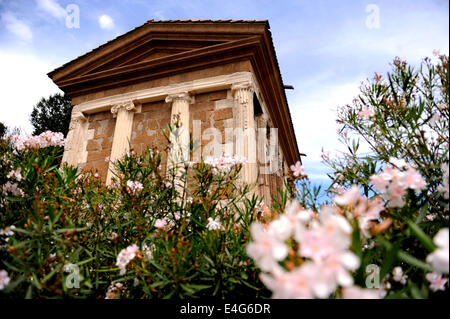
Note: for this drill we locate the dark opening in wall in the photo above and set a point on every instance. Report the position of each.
(256, 106)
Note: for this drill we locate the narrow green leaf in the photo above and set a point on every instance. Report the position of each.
(421, 236)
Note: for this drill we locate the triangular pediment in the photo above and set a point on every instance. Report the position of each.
(143, 52)
(155, 41)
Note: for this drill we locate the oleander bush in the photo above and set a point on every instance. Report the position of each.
(199, 232)
(148, 235)
(383, 231)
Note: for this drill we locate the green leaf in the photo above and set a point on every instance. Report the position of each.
(413, 261)
(421, 236)
(389, 259)
(29, 293)
(422, 214)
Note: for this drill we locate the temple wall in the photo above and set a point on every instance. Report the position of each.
(209, 113)
(99, 147)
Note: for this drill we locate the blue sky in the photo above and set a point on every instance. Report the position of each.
(324, 48)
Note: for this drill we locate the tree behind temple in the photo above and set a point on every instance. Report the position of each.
(52, 113)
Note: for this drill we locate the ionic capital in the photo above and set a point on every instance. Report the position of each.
(126, 105)
(242, 91)
(182, 96)
(76, 119)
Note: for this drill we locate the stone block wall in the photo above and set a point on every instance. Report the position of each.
(99, 145)
(148, 128)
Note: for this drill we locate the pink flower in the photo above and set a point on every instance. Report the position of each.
(214, 224)
(290, 222)
(45, 139)
(265, 248)
(316, 244)
(393, 182)
(434, 119)
(298, 169)
(439, 258)
(412, 179)
(4, 279)
(160, 223)
(397, 275)
(360, 293)
(125, 256)
(297, 284)
(8, 231)
(13, 189)
(325, 154)
(15, 174)
(366, 113)
(437, 282)
(349, 198)
(399, 163)
(335, 269)
(133, 187)
(445, 186)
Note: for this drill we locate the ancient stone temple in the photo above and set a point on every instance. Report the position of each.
(220, 77)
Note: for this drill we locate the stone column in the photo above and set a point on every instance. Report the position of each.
(75, 139)
(263, 157)
(124, 113)
(245, 128)
(180, 139)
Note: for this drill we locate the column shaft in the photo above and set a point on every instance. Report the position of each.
(124, 113)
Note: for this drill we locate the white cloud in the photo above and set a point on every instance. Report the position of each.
(106, 22)
(17, 27)
(52, 7)
(24, 82)
(314, 117)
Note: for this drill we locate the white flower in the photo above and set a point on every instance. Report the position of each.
(439, 258)
(4, 279)
(436, 281)
(214, 224)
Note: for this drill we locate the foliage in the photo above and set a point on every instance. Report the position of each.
(189, 243)
(52, 114)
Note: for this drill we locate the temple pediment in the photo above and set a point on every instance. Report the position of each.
(157, 49)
